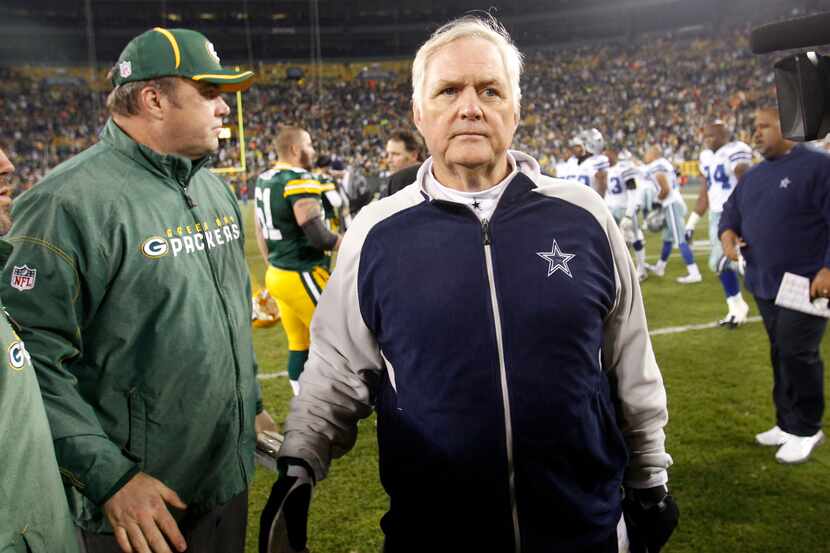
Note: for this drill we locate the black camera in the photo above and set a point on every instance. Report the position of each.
(802, 80)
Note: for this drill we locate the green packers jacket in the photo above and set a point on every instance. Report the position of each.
(128, 278)
(33, 511)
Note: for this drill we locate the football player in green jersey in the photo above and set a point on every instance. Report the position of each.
(294, 240)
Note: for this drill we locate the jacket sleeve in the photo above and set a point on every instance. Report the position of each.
(344, 363)
(70, 280)
(629, 359)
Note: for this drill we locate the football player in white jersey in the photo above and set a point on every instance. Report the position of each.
(569, 169)
(662, 173)
(624, 198)
(722, 164)
(594, 168)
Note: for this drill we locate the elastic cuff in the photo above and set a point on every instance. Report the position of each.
(120, 484)
(656, 479)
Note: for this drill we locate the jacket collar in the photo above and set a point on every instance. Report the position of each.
(5, 252)
(175, 167)
(524, 180)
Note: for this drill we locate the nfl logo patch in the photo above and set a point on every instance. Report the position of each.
(23, 278)
(125, 69)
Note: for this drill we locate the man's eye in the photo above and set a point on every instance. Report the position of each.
(491, 92)
(449, 91)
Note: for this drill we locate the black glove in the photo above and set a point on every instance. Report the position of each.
(283, 524)
(651, 516)
(689, 235)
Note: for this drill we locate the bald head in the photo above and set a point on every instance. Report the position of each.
(715, 135)
(294, 147)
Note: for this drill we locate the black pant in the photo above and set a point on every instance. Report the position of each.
(221, 530)
(798, 371)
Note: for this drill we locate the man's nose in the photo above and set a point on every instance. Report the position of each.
(222, 109)
(470, 104)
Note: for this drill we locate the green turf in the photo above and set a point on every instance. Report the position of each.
(732, 494)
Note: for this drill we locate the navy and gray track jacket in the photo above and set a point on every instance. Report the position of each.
(509, 363)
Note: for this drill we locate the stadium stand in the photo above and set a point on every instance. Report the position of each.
(659, 88)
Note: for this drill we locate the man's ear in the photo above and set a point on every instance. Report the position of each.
(150, 100)
(416, 117)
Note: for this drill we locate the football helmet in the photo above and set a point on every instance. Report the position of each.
(655, 220)
(593, 140)
(265, 312)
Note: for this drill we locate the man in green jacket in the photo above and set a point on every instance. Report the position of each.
(129, 280)
(33, 512)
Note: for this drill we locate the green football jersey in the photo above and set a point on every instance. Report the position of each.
(275, 193)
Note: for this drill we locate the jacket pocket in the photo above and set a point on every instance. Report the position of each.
(136, 446)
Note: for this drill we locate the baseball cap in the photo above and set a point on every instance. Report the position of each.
(184, 53)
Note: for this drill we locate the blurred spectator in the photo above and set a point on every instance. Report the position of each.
(656, 88)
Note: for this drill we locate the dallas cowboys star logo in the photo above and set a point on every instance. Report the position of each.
(476, 205)
(784, 182)
(557, 260)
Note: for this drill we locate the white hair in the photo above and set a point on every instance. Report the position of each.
(485, 27)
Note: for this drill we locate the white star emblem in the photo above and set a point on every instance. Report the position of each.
(785, 182)
(557, 260)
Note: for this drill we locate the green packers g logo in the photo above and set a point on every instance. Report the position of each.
(155, 247)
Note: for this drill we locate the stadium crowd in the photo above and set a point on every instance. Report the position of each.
(647, 90)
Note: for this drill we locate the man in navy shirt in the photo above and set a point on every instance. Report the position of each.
(780, 215)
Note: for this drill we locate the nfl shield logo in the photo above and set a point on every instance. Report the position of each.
(125, 68)
(23, 278)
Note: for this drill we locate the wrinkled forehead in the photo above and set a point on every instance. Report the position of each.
(465, 60)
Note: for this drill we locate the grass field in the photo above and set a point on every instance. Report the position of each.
(733, 496)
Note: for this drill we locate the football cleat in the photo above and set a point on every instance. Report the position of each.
(642, 273)
(690, 279)
(657, 269)
(738, 311)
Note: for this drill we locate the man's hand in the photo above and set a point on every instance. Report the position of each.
(264, 422)
(628, 231)
(820, 287)
(283, 526)
(651, 516)
(139, 517)
(731, 244)
(691, 223)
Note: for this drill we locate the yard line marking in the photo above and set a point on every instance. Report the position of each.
(269, 376)
(655, 332)
(689, 328)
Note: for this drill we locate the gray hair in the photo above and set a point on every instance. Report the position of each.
(485, 27)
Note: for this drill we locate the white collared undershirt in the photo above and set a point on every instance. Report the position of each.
(482, 202)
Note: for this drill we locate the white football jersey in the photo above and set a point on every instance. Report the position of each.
(664, 166)
(718, 169)
(617, 195)
(589, 168)
(568, 169)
